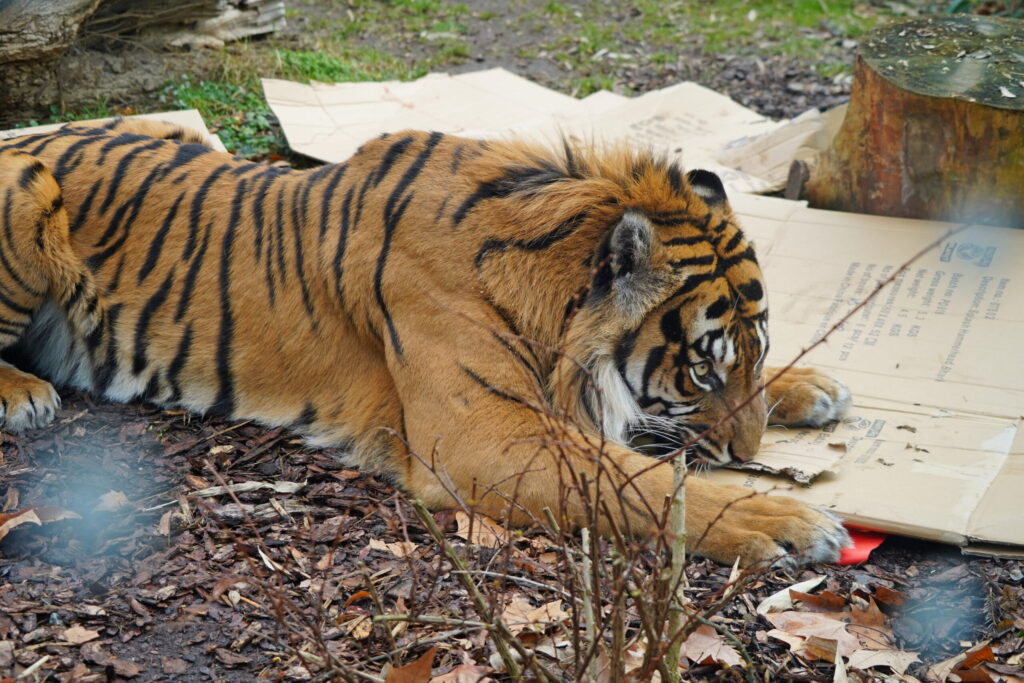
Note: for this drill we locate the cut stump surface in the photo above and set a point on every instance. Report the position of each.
(935, 125)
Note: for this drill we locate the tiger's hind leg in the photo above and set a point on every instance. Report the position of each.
(36, 264)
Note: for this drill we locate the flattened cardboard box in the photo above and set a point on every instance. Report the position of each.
(933, 446)
(685, 121)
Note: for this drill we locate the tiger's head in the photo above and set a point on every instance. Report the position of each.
(673, 327)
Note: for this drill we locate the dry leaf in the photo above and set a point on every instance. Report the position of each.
(47, 514)
(164, 526)
(839, 673)
(521, 615)
(356, 597)
(1002, 673)
(16, 519)
(483, 530)
(466, 673)
(868, 616)
(962, 664)
(33, 515)
(125, 668)
(783, 600)
(821, 648)
(417, 672)
(79, 635)
(173, 665)
(229, 658)
(399, 549)
(825, 601)
(868, 626)
(794, 642)
(889, 597)
(707, 644)
(360, 627)
(897, 660)
(110, 501)
(807, 624)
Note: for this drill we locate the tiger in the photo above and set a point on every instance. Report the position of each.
(480, 321)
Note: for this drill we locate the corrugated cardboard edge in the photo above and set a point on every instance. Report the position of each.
(999, 515)
(994, 550)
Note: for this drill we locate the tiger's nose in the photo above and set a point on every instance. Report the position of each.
(733, 454)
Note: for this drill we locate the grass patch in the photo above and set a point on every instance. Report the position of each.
(776, 27)
(591, 84)
(355, 64)
(233, 104)
(100, 109)
(237, 112)
(453, 51)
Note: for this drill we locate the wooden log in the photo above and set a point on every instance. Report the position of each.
(32, 30)
(188, 22)
(935, 125)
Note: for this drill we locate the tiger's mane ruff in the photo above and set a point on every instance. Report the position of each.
(595, 185)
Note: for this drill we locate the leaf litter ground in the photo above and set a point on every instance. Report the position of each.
(171, 547)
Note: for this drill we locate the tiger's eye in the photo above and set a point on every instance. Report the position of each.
(701, 369)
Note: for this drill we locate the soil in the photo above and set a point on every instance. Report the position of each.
(496, 33)
(170, 579)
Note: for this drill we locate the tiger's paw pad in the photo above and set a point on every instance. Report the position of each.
(804, 397)
(26, 402)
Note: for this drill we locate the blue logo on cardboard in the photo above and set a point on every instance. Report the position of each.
(969, 252)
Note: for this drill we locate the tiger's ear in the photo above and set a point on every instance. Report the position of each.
(631, 245)
(624, 262)
(708, 186)
(624, 270)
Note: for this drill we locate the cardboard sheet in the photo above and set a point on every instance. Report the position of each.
(330, 121)
(184, 117)
(685, 121)
(934, 446)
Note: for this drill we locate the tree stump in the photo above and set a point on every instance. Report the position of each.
(935, 125)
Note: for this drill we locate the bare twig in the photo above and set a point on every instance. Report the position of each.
(677, 581)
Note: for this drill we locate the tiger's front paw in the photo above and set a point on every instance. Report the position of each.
(766, 531)
(805, 397)
(26, 402)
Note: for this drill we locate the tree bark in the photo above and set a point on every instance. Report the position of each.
(935, 125)
(40, 29)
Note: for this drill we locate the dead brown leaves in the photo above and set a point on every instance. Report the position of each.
(850, 633)
(481, 530)
(520, 615)
(706, 645)
(194, 557)
(33, 515)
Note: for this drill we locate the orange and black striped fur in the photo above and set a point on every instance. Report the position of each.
(446, 308)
